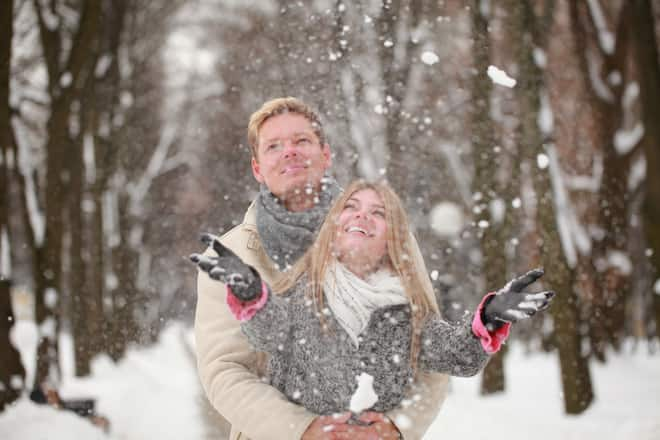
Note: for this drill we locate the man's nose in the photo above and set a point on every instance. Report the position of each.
(290, 148)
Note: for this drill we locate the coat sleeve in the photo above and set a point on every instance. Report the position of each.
(451, 348)
(429, 390)
(269, 328)
(226, 365)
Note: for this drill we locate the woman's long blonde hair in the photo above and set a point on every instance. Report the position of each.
(400, 257)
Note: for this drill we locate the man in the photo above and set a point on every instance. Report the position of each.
(289, 158)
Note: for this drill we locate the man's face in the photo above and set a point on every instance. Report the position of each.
(290, 157)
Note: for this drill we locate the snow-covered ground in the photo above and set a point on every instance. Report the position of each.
(154, 394)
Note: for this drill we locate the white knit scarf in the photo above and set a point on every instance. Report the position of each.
(352, 299)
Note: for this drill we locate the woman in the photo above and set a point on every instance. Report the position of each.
(353, 304)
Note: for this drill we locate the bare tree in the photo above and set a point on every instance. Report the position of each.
(560, 276)
(485, 186)
(646, 51)
(12, 373)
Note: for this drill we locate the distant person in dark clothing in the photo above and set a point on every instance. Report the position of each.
(83, 407)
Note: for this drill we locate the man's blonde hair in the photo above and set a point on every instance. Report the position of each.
(279, 106)
(399, 257)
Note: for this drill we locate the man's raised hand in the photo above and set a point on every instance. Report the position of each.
(513, 302)
(228, 268)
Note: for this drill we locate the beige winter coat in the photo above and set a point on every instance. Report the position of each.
(232, 373)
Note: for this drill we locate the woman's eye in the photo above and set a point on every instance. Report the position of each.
(272, 147)
(379, 213)
(303, 141)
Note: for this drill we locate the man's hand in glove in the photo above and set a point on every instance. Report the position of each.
(243, 280)
(513, 302)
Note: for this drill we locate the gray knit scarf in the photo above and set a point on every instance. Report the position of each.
(286, 235)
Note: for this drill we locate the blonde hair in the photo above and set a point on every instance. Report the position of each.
(400, 248)
(276, 107)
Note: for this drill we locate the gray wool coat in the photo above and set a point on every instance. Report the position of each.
(318, 369)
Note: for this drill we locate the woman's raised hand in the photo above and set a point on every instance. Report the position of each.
(512, 302)
(243, 280)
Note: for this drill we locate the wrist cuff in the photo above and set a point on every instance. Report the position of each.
(244, 311)
(490, 341)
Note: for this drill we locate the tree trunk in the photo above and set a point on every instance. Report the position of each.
(607, 309)
(646, 50)
(12, 373)
(77, 276)
(78, 66)
(484, 183)
(576, 379)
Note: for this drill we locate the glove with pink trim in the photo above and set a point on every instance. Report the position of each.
(243, 280)
(512, 302)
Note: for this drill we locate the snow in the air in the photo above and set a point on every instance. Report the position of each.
(429, 57)
(446, 219)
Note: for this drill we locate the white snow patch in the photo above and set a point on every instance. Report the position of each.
(27, 420)
(89, 157)
(500, 77)
(597, 83)
(516, 203)
(572, 234)
(626, 140)
(154, 393)
(151, 393)
(614, 78)
(16, 382)
(434, 275)
(102, 65)
(630, 94)
(5, 255)
(626, 404)
(637, 173)
(50, 297)
(545, 118)
(588, 183)
(364, 396)
(605, 37)
(484, 8)
(47, 328)
(540, 59)
(620, 261)
(66, 79)
(497, 209)
(446, 219)
(542, 161)
(429, 58)
(37, 220)
(656, 287)
(50, 17)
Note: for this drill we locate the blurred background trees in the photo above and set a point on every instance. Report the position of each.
(123, 136)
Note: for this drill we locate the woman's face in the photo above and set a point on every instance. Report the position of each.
(361, 241)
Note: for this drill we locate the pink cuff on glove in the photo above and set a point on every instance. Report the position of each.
(490, 341)
(244, 311)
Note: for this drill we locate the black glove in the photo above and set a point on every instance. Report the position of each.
(512, 303)
(243, 280)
